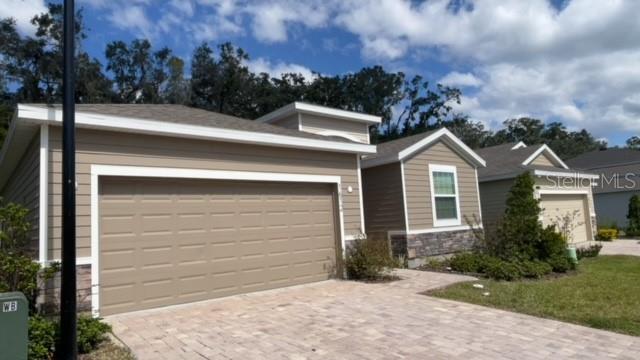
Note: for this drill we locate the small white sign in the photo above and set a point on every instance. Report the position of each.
(9, 306)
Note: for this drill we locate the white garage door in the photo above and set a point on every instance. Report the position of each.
(165, 242)
(568, 211)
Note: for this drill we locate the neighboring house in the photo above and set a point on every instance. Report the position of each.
(619, 171)
(176, 204)
(421, 193)
(564, 193)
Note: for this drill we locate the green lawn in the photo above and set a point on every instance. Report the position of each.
(604, 294)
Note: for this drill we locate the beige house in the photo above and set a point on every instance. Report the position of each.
(565, 195)
(177, 205)
(421, 193)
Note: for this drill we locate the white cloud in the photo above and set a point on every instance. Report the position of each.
(22, 11)
(262, 65)
(270, 19)
(132, 18)
(458, 79)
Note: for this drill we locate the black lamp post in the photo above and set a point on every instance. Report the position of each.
(68, 349)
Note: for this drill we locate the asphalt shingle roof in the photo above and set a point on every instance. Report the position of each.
(394, 147)
(604, 158)
(192, 116)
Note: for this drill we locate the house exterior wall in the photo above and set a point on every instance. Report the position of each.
(321, 125)
(23, 188)
(289, 122)
(418, 187)
(543, 160)
(613, 207)
(383, 200)
(493, 197)
(113, 148)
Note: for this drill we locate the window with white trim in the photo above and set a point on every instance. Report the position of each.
(444, 195)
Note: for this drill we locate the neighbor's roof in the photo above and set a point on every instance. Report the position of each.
(605, 158)
(509, 160)
(619, 169)
(397, 150)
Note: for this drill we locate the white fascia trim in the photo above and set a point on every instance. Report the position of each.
(156, 172)
(360, 195)
(478, 192)
(545, 148)
(442, 133)
(577, 174)
(562, 192)
(319, 110)
(519, 145)
(43, 211)
(140, 126)
(448, 222)
(404, 197)
(338, 133)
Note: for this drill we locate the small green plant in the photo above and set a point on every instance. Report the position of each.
(551, 243)
(607, 234)
(503, 270)
(91, 332)
(43, 336)
(567, 223)
(633, 215)
(590, 251)
(368, 259)
(535, 269)
(561, 263)
(468, 262)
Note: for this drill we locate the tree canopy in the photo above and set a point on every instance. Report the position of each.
(220, 80)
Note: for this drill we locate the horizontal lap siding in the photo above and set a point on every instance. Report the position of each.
(23, 187)
(111, 148)
(418, 188)
(493, 197)
(289, 122)
(316, 125)
(383, 200)
(542, 160)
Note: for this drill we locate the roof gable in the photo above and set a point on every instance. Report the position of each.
(401, 149)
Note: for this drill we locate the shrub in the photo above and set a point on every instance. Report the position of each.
(91, 332)
(551, 243)
(503, 270)
(633, 215)
(590, 251)
(607, 234)
(43, 336)
(368, 259)
(535, 269)
(561, 263)
(468, 262)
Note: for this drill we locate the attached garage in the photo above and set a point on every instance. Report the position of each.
(170, 241)
(572, 207)
(178, 205)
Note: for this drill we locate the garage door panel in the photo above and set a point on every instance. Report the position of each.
(558, 206)
(166, 242)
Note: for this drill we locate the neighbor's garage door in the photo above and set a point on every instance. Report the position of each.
(165, 242)
(556, 207)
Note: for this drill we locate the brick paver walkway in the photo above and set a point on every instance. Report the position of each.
(350, 320)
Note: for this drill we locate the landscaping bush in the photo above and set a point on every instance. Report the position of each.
(590, 251)
(503, 270)
(633, 215)
(561, 263)
(43, 336)
(91, 332)
(535, 269)
(468, 262)
(607, 234)
(368, 259)
(551, 244)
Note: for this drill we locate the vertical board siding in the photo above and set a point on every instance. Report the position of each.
(383, 202)
(112, 148)
(23, 188)
(417, 182)
(317, 125)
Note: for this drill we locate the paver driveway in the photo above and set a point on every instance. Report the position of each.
(350, 320)
(621, 247)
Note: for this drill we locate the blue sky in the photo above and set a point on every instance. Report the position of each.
(574, 61)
